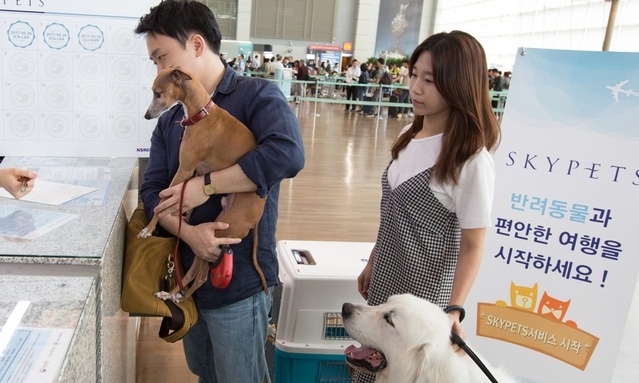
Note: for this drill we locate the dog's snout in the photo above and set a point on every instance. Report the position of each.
(347, 310)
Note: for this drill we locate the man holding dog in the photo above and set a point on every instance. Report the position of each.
(227, 343)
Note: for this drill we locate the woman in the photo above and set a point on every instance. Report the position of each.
(438, 188)
(18, 182)
(363, 79)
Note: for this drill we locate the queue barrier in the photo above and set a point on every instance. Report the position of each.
(323, 91)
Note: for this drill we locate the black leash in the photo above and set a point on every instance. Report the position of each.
(460, 342)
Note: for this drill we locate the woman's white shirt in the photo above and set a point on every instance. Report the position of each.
(470, 199)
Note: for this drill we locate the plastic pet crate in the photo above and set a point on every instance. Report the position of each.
(317, 278)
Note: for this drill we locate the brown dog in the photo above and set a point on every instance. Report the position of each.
(214, 140)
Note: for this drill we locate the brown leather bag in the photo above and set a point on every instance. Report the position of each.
(149, 267)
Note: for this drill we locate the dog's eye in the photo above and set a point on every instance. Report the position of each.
(156, 94)
(388, 317)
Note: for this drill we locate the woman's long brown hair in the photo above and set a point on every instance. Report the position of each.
(460, 75)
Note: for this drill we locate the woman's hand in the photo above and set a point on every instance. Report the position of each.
(456, 326)
(193, 196)
(364, 278)
(18, 182)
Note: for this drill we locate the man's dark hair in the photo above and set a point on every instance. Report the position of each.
(381, 60)
(179, 19)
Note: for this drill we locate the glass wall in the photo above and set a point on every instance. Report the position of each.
(502, 26)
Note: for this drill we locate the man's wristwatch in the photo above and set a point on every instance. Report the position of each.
(209, 186)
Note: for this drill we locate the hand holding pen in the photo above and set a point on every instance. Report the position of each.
(18, 182)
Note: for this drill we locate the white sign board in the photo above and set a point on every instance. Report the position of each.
(560, 261)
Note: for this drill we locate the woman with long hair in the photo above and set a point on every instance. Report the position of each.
(437, 191)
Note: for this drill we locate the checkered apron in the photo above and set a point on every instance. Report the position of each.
(417, 246)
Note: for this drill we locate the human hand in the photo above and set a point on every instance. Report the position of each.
(456, 327)
(202, 240)
(363, 280)
(193, 196)
(18, 182)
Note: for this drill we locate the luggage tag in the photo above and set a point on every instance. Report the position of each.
(222, 268)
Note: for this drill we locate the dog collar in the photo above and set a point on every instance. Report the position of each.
(198, 116)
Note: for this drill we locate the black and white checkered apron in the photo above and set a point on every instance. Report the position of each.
(417, 246)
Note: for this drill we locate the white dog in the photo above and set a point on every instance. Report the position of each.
(406, 340)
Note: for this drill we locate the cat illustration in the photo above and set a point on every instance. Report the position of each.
(521, 297)
(553, 308)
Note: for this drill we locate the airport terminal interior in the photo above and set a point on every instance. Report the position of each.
(68, 116)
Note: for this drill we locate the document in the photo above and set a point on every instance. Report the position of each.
(26, 223)
(52, 193)
(34, 355)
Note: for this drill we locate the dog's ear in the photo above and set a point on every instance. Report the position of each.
(417, 369)
(178, 75)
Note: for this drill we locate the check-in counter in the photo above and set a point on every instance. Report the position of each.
(83, 238)
(48, 328)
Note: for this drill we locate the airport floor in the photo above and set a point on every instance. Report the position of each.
(335, 198)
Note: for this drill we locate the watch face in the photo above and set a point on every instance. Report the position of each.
(209, 189)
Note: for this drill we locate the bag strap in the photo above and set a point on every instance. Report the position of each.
(174, 322)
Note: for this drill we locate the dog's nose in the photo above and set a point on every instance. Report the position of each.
(347, 310)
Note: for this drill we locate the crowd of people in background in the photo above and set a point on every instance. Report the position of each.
(497, 82)
(366, 73)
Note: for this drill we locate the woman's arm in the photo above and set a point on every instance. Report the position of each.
(468, 262)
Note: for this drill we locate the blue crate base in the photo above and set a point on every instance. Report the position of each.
(310, 368)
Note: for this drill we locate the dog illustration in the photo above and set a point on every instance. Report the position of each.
(521, 297)
(214, 140)
(407, 340)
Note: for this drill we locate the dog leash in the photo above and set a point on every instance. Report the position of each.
(460, 342)
(177, 242)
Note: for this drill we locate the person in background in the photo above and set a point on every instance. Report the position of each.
(496, 76)
(403, 79)
(278, 64)
(379, 73)
(226, 345)
(352, 76)
(364, 78)
(255, 63)
(505, 81)
(437, 190)
(302, 75)
(241, 65)
(18, 182)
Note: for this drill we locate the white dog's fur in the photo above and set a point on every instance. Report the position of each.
(414, 337)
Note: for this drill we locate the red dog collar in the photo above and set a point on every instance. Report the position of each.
(197, 117)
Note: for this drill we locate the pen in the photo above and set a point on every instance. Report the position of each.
(24, 183)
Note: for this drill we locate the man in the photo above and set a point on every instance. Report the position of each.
(255, 63)
(227, 342)
(241, 65)
(402, 78)
(302, 75)
(352, 76)
(381, 71)
(496, 76)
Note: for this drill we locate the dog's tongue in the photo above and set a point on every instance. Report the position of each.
(364, 353)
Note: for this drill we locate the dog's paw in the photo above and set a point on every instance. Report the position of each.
(177, 298)
(144, 233)
(162, 295)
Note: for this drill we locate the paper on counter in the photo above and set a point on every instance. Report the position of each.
(52, 193)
